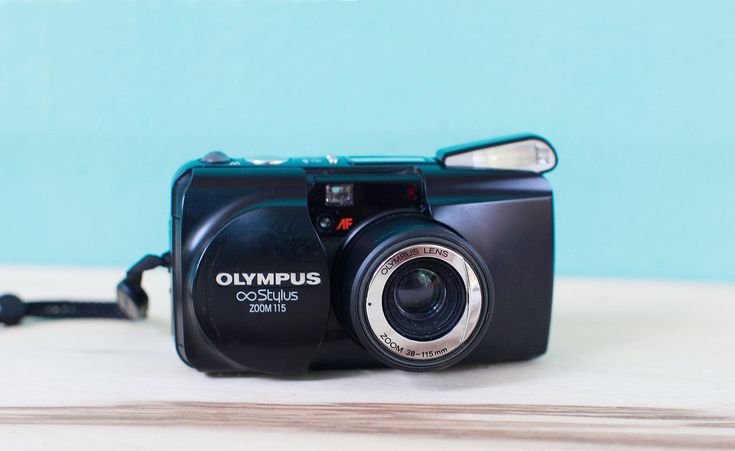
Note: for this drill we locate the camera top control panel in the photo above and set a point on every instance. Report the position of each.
(521, 152)
(218, 158)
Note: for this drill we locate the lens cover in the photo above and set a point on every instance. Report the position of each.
(263, 290)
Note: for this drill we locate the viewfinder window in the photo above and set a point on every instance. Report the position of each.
(341, 195)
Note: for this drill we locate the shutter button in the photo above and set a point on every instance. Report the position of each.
(216, 157)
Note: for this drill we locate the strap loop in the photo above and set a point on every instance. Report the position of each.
(132, 300)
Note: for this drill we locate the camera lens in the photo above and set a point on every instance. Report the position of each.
(424, 299)
(419, 293)
(417, 296)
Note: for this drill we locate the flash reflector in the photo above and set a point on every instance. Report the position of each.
(526, 153)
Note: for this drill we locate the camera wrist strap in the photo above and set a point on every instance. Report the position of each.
(132, 300)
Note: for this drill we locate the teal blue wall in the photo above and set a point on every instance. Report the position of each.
(100, 102)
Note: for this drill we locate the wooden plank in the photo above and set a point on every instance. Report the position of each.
(549, 424)
(631, 363)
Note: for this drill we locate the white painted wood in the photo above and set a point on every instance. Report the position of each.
(636, 363)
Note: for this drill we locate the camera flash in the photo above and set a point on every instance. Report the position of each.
(529, 154)
(340, 195)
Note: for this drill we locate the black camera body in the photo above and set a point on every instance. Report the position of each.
(283, 266)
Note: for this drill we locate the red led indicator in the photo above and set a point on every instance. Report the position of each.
(411, 192)
(345, 224)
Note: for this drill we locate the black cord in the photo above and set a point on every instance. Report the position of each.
(132, 300)
(73, 309)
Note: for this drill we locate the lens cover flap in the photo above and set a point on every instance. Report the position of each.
(264, 282)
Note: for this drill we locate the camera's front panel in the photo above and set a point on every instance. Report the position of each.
(279, 269)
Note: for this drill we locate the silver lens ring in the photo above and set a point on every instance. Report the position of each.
(404, 347)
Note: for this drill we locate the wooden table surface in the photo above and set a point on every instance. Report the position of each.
(631, 363)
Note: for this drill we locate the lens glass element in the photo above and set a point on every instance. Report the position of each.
(424, 299)
(420, 293)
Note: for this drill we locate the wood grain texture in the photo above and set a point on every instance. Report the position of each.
(593, 425)
(631, 363)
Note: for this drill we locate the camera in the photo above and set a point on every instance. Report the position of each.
(288, 265)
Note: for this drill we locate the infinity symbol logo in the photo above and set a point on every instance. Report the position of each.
(247, 296)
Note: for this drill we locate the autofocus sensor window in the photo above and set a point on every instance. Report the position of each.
(340, 195)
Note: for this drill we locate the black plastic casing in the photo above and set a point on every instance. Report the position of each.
(262, 218)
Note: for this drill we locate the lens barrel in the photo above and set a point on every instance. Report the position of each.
(416, 295)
